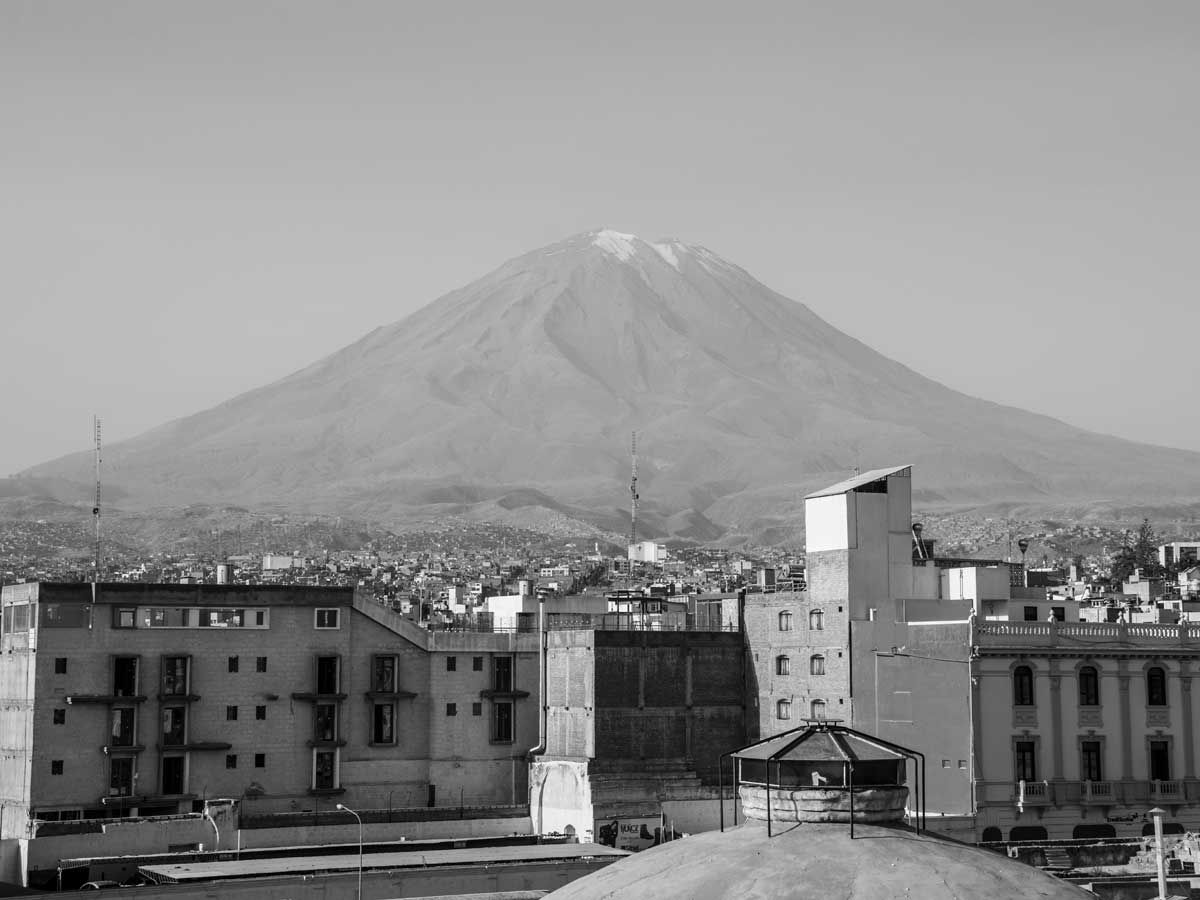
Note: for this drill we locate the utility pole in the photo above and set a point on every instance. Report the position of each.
(96, 506)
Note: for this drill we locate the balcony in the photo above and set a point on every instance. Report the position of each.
(105, 698)
(1166, 791)
(1097, 793)
(1033, 793)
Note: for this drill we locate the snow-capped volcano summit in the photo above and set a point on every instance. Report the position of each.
(515, 395)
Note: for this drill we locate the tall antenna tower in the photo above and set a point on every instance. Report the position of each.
(96, 506)
(633, 494)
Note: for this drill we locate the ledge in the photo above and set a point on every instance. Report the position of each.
(104, 698)
(110, 749)
(195, 745)
(389, 695)
(326, 792)
(340, 742)
(178, 698)
(504, 695)
(319, 698)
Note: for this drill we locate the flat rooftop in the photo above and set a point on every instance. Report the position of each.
(183, 873)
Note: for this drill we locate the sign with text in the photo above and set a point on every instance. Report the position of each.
(630, 833)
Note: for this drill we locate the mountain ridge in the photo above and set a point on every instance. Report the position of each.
(532, 377)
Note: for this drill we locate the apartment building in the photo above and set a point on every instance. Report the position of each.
(122, 700)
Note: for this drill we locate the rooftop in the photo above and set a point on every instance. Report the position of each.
(858, 481)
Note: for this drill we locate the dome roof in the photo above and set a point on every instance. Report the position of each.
(819, 861)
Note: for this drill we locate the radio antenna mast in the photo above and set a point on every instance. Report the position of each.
(96, 506)
(633, 494)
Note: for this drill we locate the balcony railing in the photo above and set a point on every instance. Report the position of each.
(1049, 634)
(1097, 792)
(1166, 790)
(1032, 793)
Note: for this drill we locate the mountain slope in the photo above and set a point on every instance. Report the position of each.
(533, 377)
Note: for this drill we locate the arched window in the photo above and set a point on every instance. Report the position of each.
(785, 621)
(1089, 686)
(1156, 686)
(991, 833)
(816, 665)
(818, 709)
(1023, 686)
(816, 620)
(783, 665)
(783, 709)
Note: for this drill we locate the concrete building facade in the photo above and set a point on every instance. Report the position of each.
(133, 700)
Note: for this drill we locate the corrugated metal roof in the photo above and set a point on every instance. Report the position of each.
(858, 481)
(819, 746)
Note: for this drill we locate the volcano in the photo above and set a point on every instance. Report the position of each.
(514, 397)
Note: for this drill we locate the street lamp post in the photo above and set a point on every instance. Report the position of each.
(1157, 814)
(345, 808)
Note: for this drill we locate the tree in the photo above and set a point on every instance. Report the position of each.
(1140, 553)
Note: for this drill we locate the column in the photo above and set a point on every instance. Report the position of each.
(1056, 723)
(1189, 743)
(1124, 725)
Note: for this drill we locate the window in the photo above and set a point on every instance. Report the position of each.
(325, 722)
(816, 620)
(451, 663)
(120, 776)
(325, 770)
(175, 676)
(124, 617)
(383, 723)
(452, 709)
(1090, 768)
(60, 717)
(502, 722)
(56, 767)
(1025, 758)
(1160, 761)
(783, 665)
(818, 709)
(231, 760)
(1031, 614)
(477, 663)
(1059, 613)
(383, 674)
(326, 618)
(260, 713)
(1023, 686)
(172, 774)
(477, 709)
(122, 731)
(816, 665)
(327, 675)
(231, 713)
(62, 615)
(60, 665)
(783, 709)
(233, 664)
(174, 719)
(260, 760)
(1089, 688)
(260, 618)
(785, 621)
(1156, 686)
(125, 676)
(260, 664)
(504, 674)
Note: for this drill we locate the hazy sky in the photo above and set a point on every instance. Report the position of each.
(199, 198)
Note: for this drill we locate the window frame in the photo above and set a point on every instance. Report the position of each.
(816, 664)
(380, 738)
(816, 620)
(326, 613)
(1024, 692)
(783, 665)
(504, 716)
(1156, 687)
(785, 620)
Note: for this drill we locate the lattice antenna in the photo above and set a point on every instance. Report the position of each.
(96, 505)
(633, 494)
